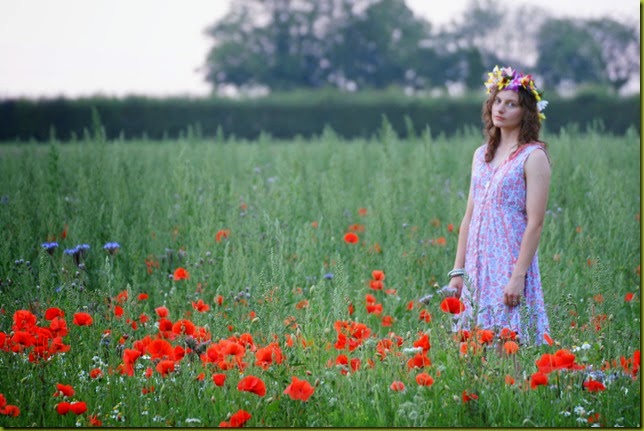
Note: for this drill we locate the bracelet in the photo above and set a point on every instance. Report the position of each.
(456, 273)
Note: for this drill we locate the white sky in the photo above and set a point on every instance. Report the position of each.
(155, 47)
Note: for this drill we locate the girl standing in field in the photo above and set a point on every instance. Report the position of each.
(496, 270)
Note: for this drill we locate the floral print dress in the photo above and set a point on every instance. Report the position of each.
(495, 233)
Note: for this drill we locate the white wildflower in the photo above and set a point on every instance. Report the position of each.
(542, 104)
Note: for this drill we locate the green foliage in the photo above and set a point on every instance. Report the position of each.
(288, 115)
(286, 45)
(164, 202)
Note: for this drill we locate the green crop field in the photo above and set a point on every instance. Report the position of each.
(232, 296)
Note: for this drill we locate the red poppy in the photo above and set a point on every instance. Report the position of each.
(165, 366)
(200, 306)
(222, 234)
(440, 241)
(594, 386)
(268, 355)
(423, 342)
(10, 410)
(377, 274)
(96, 373)
(424, 379)
(180, 274)
(467, 397)
(54, 312)
(376, 284)
(593, 417)
(452, 305)
(362, 212)
(62, 408)
(351, 238)
(95, 421)
(419, 360)
(299, 389)
(184, 326)
(548, 339)
(357, 227)
(629, 297)
(58, 326)
(78, 407)
(374, 309)
(387, 321)
(219, 379)
(425, 316)
(130, 355)
(142, 296)
(509, 380)
(484, 336)
(159, 349)
(162, 311)
(239, 418)
(538, 379)
(165, 325)
(510, 347)
(82, 319)
(64, 390)
(23, 320)
(252, 384)
(397, 386)
(507, 334)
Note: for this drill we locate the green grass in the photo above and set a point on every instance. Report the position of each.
(164, 202)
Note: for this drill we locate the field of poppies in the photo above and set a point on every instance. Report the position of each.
(276, 283)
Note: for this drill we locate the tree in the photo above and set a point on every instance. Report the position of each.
(567, 54)
(620, 50)
(287, 44)
(376, 47)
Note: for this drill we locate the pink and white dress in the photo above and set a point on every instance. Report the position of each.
(495, 232)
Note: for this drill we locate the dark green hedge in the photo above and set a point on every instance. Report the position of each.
(285, 117)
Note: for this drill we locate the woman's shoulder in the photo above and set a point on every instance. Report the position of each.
(480, 150)
(534, 146)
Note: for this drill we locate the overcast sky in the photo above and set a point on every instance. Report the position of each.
(155, 47)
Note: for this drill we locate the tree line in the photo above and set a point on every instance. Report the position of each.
(282, 45)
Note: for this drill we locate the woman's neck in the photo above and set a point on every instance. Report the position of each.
(509, 138)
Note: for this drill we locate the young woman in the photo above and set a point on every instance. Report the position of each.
(496, 269)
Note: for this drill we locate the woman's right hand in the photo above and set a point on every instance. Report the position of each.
(456, 284)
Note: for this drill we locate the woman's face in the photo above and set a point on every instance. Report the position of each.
(506, 111)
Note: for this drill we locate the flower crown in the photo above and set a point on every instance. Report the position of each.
(507, 78)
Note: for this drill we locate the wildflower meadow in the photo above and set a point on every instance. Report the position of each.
(222, 282)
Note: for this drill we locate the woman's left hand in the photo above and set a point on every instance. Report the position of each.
(513, 291)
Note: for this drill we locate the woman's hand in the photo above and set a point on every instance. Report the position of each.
(456, 284)
(513, 291)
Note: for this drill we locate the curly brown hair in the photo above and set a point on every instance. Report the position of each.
(530, 123)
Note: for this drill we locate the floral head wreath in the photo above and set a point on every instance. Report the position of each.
(507, 78)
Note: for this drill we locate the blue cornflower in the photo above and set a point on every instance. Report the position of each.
(111, 247)
(50, 247)
(328, 276)
(78, 253)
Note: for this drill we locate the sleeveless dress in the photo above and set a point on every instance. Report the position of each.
(495, 232)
